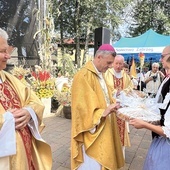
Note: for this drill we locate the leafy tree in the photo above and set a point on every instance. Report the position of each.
(78, 20)
(150, 14)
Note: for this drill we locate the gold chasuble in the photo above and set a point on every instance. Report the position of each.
(88, 105)
(31, 154)
(117, 84)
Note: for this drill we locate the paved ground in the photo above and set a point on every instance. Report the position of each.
(58, 131)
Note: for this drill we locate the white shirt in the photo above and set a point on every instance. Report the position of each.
(163, 105)
(151, 86)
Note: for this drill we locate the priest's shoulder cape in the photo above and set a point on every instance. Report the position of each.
(88, 105)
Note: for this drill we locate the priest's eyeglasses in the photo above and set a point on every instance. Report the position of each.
(164, 55)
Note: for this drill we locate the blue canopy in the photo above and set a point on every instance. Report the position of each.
(150, 43)
(149, 39)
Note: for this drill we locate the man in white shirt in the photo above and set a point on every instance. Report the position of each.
(153, 79)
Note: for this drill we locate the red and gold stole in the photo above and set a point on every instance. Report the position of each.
(10, 100)
(118, 85)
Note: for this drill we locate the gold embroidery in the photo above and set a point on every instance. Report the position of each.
(118, 83)
(9, 99)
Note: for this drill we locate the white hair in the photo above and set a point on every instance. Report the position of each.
(3, 34)
(155, 64)
(119, 57)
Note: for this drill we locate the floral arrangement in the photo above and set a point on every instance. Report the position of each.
(42, 83)
(64, 97)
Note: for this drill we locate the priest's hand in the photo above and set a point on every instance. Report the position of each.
(111, 108)
(21, 116)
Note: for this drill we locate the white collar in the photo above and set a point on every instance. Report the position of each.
(116, 74)
(98, 73)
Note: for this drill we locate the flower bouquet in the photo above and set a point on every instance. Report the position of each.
(43, 83)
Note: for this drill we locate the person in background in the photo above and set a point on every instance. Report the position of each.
(140, 79)
(158, 154)
(21, 145)
(153, 80)
(95, 140)
(145, 70)
(133, 79)
(126, 68)
(118, 80)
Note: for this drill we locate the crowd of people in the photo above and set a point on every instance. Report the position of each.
(98, 135)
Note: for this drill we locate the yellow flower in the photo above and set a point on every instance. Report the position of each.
(43, 88)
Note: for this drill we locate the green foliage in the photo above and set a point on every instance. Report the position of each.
(151, 14)
(79, 18)
(66, 66)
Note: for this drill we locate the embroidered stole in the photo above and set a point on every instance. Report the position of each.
(118, 85)
(10, 100)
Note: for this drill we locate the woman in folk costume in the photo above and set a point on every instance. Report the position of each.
(158, 156)
(95, 141)
(118, 80)
(21, 145)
